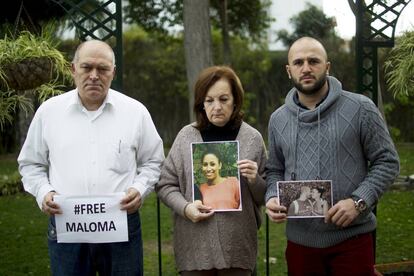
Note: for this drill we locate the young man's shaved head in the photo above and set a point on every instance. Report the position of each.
(307, 41)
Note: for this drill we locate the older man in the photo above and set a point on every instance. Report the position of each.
(92, 141)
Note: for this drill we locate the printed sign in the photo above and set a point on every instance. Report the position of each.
(91, 219)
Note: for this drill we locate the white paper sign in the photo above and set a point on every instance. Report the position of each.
(91, 219)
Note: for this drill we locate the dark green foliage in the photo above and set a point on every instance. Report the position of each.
(406, 154)
(263, 76)
(154, 15)
(310, 22)
(10, 179)
(154, 74)
(245, 17)
(400, 65)
(398, 73)
(10, 184)
(8, 142)
(399, 112)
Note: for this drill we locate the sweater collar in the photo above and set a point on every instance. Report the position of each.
(308, 116)
(296, 100)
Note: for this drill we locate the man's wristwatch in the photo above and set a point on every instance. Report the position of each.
(360, 205)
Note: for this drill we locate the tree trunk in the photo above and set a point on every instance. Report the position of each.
(225, 32)
(197, 43)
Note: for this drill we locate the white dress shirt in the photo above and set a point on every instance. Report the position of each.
(76, 152)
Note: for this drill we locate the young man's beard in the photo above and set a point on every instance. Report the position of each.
(311, 90)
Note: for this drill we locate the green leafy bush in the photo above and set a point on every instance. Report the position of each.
(30, 63)
(10, 183)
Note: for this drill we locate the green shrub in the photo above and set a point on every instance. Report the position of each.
(10, 183)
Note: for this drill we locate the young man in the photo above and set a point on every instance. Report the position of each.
(324, 132)
(301, 206)
(92, 141)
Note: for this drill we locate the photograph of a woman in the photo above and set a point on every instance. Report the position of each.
(319, 204)
(217, 182)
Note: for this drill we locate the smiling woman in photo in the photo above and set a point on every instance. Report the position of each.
(218, 192)
(320, 205)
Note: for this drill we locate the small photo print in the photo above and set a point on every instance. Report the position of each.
(305, 199)
(216, 178)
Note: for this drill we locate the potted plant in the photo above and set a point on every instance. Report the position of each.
(29, 64)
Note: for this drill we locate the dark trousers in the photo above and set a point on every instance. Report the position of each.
(218, 272)
(85, 259)
(354, 256)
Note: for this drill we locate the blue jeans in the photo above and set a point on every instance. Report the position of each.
(85, 259)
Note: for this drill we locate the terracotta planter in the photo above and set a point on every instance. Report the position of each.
(28, 73)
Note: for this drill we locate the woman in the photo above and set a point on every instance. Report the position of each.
(208, 242)
(320, 205)
(219, 193)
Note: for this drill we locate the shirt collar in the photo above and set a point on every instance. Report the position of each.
(74, 100)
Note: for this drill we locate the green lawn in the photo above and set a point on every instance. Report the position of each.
(23, 247)
(8, 164)
(406, 153)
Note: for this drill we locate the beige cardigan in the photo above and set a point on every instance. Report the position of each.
(227, 239)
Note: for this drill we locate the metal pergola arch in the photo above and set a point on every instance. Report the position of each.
(376, 21)
(102, 20)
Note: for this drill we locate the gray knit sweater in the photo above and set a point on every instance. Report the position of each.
(345, 140)
(227, 239)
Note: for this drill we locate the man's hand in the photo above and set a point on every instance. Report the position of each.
(196, 211)
(275, 211)
(49, 207)
(132, 201)
(342, 213)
